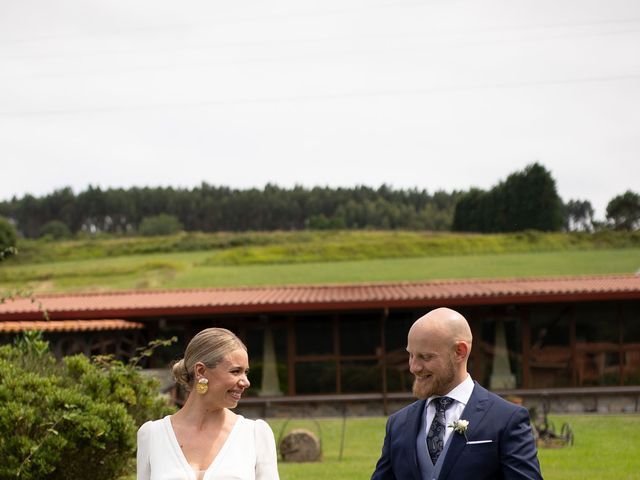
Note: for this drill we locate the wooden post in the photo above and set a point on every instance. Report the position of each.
(572, 344)
(526, 348)
(336, 351)
(383, 359)
(291, 356)
(620, 344)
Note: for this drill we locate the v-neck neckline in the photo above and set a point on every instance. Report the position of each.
(183, 459)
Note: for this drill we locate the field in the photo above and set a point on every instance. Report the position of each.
(605, 448)
(211, 260)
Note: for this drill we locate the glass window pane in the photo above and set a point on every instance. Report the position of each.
(360, 334)
(597, 323)
(399, 378)
(315, 377)
(255, 339)
(631, 346)
(363, 376)
(396, 330)
(501, 346)
(550, 362)
(598, 343)
(598, 367)
(314, 335)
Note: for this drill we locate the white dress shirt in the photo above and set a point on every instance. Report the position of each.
(461, 395)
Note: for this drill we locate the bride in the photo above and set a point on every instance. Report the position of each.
(205, 440)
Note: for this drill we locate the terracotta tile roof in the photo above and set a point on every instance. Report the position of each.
(68, 325)
(129, 304)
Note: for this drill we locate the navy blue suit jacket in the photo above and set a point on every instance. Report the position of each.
(511, 454)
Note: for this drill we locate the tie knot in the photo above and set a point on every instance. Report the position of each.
(442, 403)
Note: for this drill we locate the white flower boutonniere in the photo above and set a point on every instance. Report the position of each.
(460, 426)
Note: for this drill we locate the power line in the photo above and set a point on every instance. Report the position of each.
(306, 56)
(209, 25)
(178, 27)
(297, 41)
(319, 97)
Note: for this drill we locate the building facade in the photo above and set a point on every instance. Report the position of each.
(348, 341)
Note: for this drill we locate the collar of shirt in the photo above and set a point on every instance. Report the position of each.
(461, 394)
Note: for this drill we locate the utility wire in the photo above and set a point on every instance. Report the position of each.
(209, 25)
(319, 97)
(307, 41)
(305, 57)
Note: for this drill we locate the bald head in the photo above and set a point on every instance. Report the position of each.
(447, 324)
(439, 344)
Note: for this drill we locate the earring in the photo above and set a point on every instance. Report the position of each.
(202, 386)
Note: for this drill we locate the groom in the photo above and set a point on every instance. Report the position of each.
(457, 429)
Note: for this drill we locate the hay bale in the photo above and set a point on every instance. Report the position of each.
(300, 445)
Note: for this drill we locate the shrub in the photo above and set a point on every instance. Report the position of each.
(60, 420)
(7, 237)
(55, 229)
(162, 224)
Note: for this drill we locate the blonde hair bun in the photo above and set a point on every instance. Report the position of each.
(209, 347)
(180, 373)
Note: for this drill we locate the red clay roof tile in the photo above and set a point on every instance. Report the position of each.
(318, 297)
(68, 325)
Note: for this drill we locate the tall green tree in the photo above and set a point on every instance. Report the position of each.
(527, 199)
(578, 216)
(623, 211)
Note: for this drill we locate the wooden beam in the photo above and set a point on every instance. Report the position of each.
(383, 359)
(572, 345)
(526, 347)
(291, 355)
(336, 351)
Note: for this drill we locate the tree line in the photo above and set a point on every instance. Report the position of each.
(526, 199)
(210, 208)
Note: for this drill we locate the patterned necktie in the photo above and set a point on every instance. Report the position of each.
(435, 437)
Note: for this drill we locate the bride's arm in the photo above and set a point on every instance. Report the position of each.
(266, 456)
(142, 457)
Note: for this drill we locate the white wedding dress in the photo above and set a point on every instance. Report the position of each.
(249, 453)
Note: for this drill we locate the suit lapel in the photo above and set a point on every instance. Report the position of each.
(473, 412)
(413, 420)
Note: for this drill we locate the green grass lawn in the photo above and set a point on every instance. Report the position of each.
(191, 270)
(195, 260)
(244, 248)
(606, 448)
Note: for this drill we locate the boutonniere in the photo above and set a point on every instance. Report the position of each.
(460, 426)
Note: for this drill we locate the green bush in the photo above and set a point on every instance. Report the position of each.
(56, 230)
(7, 237)
(162, 224)
(61, 420)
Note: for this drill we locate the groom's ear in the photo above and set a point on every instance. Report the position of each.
(462, 350)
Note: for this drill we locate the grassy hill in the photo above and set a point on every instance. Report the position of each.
(190, 260)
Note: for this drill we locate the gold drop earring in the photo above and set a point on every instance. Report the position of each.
(202, 386)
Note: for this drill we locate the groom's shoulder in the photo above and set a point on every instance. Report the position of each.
(496, 400)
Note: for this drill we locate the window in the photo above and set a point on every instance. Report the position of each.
(550, 362)
(598, 344)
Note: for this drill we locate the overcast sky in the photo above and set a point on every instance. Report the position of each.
(434, 94)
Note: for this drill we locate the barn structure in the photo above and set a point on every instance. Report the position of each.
(329, 347)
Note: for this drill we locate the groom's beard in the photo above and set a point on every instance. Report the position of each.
(437, 384)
